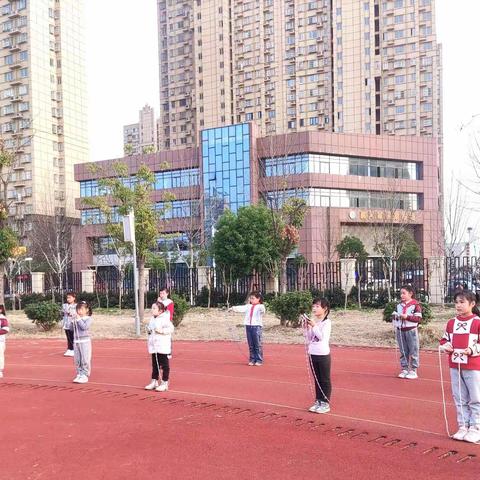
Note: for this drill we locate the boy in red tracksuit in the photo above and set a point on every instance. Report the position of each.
(4, 329)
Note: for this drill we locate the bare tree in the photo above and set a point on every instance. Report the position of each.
(457, 222)
(11, 156)
(392, 234)
(54, 242)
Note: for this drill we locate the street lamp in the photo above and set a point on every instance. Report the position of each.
(29, 260)
(129, 236)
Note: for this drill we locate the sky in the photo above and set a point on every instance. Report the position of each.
(122, 69)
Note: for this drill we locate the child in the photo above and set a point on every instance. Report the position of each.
(405, 320)
(82, 344)
(68, 312)
(253, 321)
(160, 330)
(4, 329)
(170, 306)
(462, 342)
(317, 335)
(163, 298)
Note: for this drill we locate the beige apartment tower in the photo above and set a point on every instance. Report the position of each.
(141, 136)
(351, 66)
(43, 104)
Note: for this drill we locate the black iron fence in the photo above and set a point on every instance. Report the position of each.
(373, 277)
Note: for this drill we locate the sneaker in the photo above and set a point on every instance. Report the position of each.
(75, 380)
(163, 387)
(68, 353)
(258, 364)
(1, 374)
(460, 435)
(251, 364)
(403, 374)
(324, 407)
(411, 375)
(473, 434)
(82, 379)
(152, 385)
(314, 407)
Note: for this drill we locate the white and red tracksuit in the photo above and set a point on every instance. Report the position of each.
(462, 333)
(4, 329)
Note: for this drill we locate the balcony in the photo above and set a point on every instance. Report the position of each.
(14, 48)
(17, 115)
(14, 14)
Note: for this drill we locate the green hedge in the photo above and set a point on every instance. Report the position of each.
(289, 306)
(44, 314)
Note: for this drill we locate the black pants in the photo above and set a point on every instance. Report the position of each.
(160, 360)
(69, 334)
(320, 365)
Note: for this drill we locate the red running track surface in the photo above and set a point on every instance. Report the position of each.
(222, 419)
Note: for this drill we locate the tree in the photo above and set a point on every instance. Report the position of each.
(287, 222)
(132, 196)
(148, 149)
(128, 149)
(54, 242)
(457, 219)
(8, 239)
(242, 244)
(353, 247)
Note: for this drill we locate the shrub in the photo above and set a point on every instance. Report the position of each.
(289, 306)
(390, 307)
(336, 297)
(181, 308)
(44, 314)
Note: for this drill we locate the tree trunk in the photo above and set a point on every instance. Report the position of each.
(359, 286)
(283, 275)
(2, 283)
(141, 288)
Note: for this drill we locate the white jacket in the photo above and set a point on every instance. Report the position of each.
(160, 334)
(318, 338)
(254, 318)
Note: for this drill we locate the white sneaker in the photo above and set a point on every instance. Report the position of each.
(324, 407)
(473, 434)
(163, 387)
(82, 379)
(411, 375)
(251, 364)
(152, 385)
(314, 407)
(258, 364)
(1, 374)
(75, 380)
(403, 374)
(69, 353)
(460, 435)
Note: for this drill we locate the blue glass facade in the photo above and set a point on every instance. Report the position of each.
(226, 171)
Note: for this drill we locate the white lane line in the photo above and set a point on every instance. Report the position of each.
(256, 402)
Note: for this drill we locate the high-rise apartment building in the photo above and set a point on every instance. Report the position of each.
(141, 136)
(351, 66)
(43, 104)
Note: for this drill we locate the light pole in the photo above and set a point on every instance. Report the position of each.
(129, 236)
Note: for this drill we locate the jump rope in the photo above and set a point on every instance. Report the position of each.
(444, 402)
(309, 362)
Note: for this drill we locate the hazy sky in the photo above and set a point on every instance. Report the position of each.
(122, 66)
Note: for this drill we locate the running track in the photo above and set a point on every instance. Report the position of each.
(222, 419)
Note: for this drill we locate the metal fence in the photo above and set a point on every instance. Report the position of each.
(372, 277)
(461, 273)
